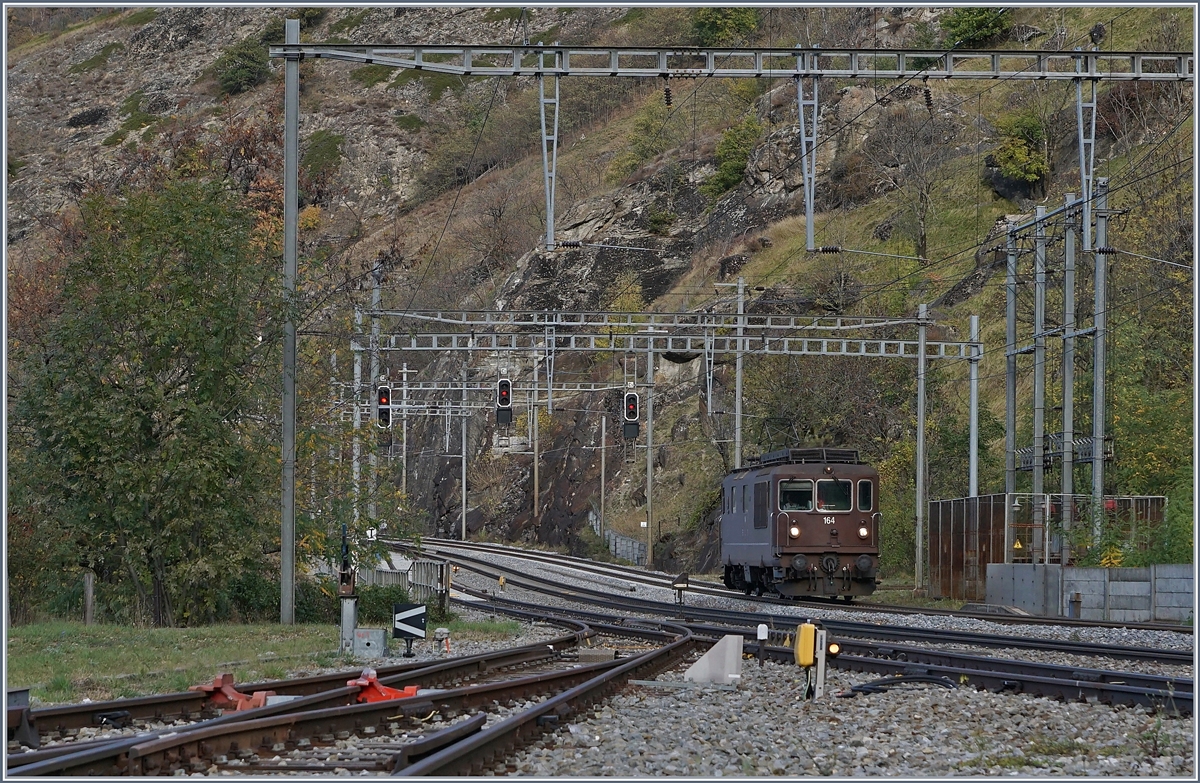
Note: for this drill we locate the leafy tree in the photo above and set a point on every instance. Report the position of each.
(724, 26)
(141, 439)
(242, 66)
(967, 27)
(908, 153)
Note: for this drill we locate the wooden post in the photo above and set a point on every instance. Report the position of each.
(89, 597)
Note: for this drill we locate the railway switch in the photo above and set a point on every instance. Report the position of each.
(371, 691)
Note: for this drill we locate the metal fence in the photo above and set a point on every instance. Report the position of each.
(382, 576)
(429, 582)
(966, 534)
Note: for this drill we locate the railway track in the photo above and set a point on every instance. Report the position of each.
(326, 730)
(703, 587)
(1169, 694)
(842, 628)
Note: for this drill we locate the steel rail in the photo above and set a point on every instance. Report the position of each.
(316, 690)
(704, 587)
(1169, 694)
(319, 709)
(197, 746)
(187, 703)
(470, 755)
(844, 627)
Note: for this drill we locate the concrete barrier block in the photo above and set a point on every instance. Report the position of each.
(1175, 571)
(1172, 585)
(1075, 575)
(1174, 599)
(1172, 614)
(1135, 602)
(1129, 588)
(1129, 616)
(1129, 574)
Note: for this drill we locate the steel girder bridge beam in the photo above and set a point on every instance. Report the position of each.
(697, 343)
(804, 66)
(488, 320)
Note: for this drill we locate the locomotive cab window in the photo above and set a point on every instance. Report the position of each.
(865, 501)
(834, 495)
(796, 495)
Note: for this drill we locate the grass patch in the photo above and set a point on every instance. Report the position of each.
(503, 15)
(409, 122)
(135, 120)
(97, 60)
(349, 22)
(436, 83)
(63, 661)
(66, 662)
(483, 630)
(144, 16)
(323, 154)
(898, 592)
(370, 75)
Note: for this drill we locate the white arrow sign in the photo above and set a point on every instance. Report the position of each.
(408, 620)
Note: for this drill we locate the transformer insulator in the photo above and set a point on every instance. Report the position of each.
(667, 95)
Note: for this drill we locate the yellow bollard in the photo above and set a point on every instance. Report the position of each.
(501, 582)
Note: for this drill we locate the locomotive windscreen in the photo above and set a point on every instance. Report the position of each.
(796, 495)
(833, 495)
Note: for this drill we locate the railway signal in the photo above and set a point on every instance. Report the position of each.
(504, 401)
(383, 399)
(632, 415)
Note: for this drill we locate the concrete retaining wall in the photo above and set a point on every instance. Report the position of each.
(624, 547)
(1135, 595)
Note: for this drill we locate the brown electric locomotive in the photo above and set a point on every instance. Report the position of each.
(802, 522)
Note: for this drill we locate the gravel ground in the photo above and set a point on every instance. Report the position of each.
(912, 732)
(920, 732)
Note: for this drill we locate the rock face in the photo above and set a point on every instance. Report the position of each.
(84, 107)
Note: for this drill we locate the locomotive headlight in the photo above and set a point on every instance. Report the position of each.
(794, 531)
(863, 532)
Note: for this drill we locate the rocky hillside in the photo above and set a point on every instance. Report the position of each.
(435, 182)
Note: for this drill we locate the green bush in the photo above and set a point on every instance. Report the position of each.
(375, 602)
(733, 152)
(1020, 155)
(370, 75)
(317, 601)
(724, 26)
(968, 27)
(242, 66)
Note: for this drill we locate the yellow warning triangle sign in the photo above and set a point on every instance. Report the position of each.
(1017, 545)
